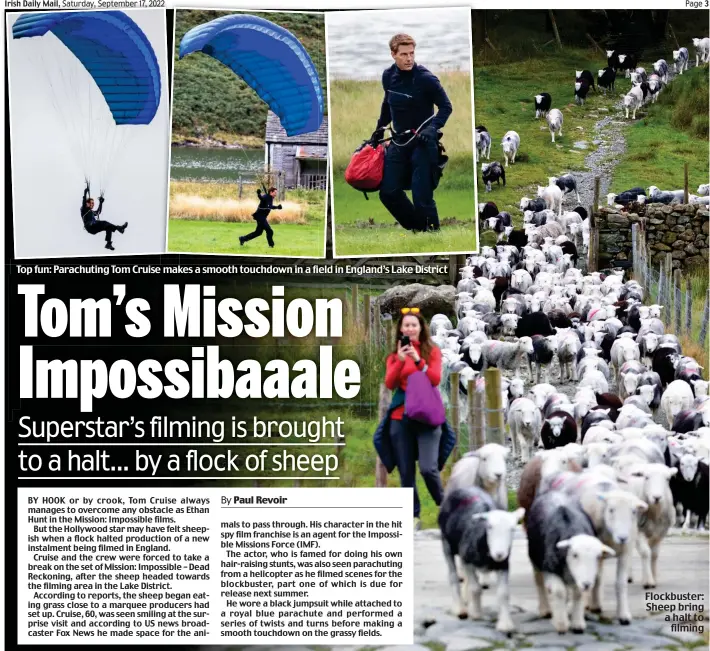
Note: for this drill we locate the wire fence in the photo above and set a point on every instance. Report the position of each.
(666, 287)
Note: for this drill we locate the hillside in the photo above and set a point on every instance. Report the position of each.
(210, 100)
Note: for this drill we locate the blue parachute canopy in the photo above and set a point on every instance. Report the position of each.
(113, 49)
(271, 60)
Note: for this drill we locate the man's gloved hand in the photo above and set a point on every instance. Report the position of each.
(279, 207)
(377, 135)
(101, 199)
(427, 134)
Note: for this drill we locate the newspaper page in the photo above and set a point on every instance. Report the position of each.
(344, 326)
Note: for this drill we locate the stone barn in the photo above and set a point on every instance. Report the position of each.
(303, 159)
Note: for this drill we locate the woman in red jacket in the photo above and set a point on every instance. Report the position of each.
(411, 439)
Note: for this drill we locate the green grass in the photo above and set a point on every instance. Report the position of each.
(354, 111)
(220, 237)
(672, 132)
(209, 98)
(201, 236)
(505, 101)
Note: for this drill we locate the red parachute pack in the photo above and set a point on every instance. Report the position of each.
(366, 168)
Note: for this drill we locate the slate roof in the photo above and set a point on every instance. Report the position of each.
(275, 133)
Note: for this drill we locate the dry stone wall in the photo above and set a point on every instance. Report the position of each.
(679, 229)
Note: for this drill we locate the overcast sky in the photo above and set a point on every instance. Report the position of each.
(47, 179)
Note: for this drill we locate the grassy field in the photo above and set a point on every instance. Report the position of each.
(505, 100)
(220, 218)
(211, 100)
(366, 227)
(672, 132)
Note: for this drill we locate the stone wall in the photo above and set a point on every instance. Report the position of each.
(678, 229)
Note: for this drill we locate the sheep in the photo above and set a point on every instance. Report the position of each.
(625, 197)
(509, 323)
(483, 144)
(649, 482)
(606, 78)
(632, 416)
(614, 515)
(506, 355)
(544, 464)
(702, 50)
(554, 122)
(481, 536)
(649, 388)
(581, 88)
(627, 62)
(510, 144)
(697, 500)
(484, 468)
(595, 453)
(568, 346)
(594, 379)
(661, 69)
(564, 553)
(566, 183)
(585, 75)
(544, 349)
(521, 279)
(492, 172)
(540, 393)
(535, 205)
(638, 76)
(597, 416)
(704, 189)
(558, 429)
(677, 397)
(647, 344)
(633, 100)
(552, 196)
(623, 350)
(525, 422)
(680, 59)
(543, 101)
(598, 434)
(612, 59)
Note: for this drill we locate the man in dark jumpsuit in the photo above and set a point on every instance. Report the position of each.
(266, 205)
(411, 92)
(91, 220)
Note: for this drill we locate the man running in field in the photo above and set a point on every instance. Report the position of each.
(266, 205)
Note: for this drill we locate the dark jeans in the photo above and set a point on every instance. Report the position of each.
(407, 438)
(411, 166)
(261, 226)
(101, 226)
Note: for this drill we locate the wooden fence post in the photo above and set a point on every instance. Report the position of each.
(634, 250)
(377, 323)
(241, 186)
(704, 322)
(495, 429)
(455, 378)
(677, 302)
(380, 470)
(356, 304)
(685, 184)
(479, 436)
(661, 281)
(368, 316)
(688, 307)
(593, 254)
(389, 333)
(668, 291)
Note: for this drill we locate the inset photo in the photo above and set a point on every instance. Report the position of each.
(401, 104)
(249, 153)
(89, 130)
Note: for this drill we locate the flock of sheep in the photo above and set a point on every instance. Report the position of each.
(644, 88)
(609, 479)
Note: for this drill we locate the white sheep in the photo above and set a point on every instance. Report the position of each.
(552, 195)
(677, 397)
(484, 468)
(506, 355)
(525, 422)
(510, 144)
(650, 483)
(554, 122)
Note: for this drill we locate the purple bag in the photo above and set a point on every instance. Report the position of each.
(422, 401)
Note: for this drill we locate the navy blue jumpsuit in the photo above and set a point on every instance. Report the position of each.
(266, 205)
(410, 97)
